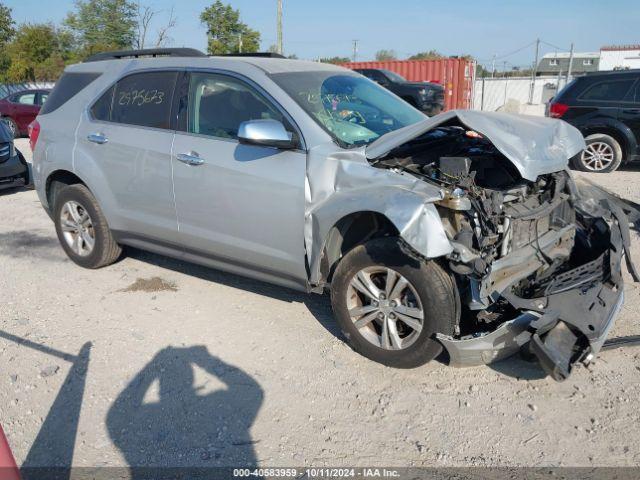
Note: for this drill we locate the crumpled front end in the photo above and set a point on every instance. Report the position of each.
(536, 262)
(564, 299)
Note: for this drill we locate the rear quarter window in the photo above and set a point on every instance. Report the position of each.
(608, 91)
(66, 88)
(141, 99)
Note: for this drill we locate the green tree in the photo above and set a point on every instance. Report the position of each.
(7, 30)
(429, 55)
(226, 33)
(383, 55)
(38, 52)
(99, 25)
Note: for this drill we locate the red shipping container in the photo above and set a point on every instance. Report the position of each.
(454, 74)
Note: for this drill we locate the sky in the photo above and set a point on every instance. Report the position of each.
(325, 28)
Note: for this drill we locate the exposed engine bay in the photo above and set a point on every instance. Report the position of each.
(531, 259)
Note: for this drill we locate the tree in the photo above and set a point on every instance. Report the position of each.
(146, 16)
(7, 30)
(226, 33)
(383, 55)
(430, 55)
(99, 25)
(335, 60)
(38, 52)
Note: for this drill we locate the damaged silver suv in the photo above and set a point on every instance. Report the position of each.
(463, 231)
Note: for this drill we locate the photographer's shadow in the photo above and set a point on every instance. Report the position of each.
(162, 420)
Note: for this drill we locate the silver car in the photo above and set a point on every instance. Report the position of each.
(463, 231)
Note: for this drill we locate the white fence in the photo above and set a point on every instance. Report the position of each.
(492, 94)
(6, 90)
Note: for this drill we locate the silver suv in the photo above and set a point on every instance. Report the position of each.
(463, 231)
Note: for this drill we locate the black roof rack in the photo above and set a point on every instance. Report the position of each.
(149, 52)
(254, 54)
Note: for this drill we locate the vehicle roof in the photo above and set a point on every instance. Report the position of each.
(635, 71)
(267, 65)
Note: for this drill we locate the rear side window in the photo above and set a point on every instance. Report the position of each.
(142, 99)
(611, 91)
(66, 88)
(25, 98)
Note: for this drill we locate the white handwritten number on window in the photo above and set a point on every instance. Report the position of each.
(139, 98)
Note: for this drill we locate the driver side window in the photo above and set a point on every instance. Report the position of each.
(218, 104)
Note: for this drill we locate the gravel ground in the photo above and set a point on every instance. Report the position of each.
(156, 362)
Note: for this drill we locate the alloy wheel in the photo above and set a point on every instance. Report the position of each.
(597, 156)
(77, 228)
(385, 308)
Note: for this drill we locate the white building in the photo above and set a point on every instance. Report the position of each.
(619, 57)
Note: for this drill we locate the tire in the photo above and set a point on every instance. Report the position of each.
(13, 126)
(429, 288)
(602, 155)
(105, 249)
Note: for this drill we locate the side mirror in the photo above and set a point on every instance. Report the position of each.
(266, 133)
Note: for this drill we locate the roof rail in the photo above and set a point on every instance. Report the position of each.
(254, 54)
(149, 52)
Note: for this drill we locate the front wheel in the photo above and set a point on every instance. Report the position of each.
(602, 155)
(390, 305)
(82, 228)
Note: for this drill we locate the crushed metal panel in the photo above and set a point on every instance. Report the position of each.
(341, 182)
(535, 145)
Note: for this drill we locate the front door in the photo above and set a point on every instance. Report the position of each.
(240, 206)
(630, 114)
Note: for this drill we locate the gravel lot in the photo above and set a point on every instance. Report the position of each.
(156, 362)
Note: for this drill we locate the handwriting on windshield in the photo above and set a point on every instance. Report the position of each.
(139, 98)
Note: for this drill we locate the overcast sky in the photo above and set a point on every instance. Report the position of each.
(481, 28)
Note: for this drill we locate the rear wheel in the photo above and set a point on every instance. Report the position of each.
(603, 154)
(390, 305)
(82, 228)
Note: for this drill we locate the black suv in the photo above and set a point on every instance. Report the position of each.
(425, 96)
(605, 107)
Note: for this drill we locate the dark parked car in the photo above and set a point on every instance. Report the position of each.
(19, 109)
(14, 170)
(605, 107)
(425, 96)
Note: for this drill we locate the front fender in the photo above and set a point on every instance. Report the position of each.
(343, 183)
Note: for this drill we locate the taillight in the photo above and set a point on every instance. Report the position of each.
(557, 110)
(34, 133)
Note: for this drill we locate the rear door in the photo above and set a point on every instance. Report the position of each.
(124, 147)
(242, 206)
(26, 109)
(630, 113)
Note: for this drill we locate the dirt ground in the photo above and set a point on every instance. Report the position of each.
(156, 362)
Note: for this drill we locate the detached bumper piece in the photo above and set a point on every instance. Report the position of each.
(568, 317)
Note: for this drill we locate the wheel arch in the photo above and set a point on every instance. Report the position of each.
(57, 180)
(350, 231)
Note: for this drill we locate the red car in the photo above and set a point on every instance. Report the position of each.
(19, 109)
(8, 467)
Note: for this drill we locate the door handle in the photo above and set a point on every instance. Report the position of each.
(191, 158)
(98, 138)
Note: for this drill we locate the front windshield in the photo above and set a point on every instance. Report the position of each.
(352, 109)
(396, 77)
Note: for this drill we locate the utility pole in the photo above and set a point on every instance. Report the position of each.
(493, 66)
(570, 65)
(280, 48)
(534, 72)
(239, 43)
(355, 50)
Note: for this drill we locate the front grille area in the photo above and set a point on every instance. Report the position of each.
(5, 152)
